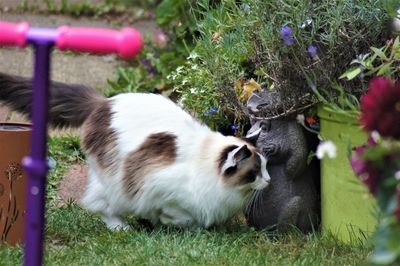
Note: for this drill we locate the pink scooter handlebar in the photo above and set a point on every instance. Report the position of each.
(127, 42)
(13, 34)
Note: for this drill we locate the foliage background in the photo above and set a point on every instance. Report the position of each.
(215, 46)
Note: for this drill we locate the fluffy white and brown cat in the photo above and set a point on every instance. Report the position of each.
(149, 158)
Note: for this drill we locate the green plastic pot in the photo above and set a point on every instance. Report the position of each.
(347, 209)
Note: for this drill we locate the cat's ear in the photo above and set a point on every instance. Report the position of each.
(241, 153)
(234, 157)
(253, 136)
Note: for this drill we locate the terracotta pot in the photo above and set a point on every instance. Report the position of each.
(14, 145)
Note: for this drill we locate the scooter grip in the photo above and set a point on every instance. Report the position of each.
(13, 34)
(127, 42)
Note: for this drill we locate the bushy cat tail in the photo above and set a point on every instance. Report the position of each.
(69, 106)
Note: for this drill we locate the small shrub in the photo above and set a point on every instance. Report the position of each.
(163, 52)
(240, 41)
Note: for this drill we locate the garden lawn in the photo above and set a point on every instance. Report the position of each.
(75, 237)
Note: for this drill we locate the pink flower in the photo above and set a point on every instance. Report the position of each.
(160, 38)
(380, 108)
(359, 166)
(365, 170)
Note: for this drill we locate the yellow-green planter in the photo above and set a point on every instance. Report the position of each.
(347, 209)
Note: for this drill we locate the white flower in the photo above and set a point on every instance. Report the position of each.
(195, 66)
(397, 175)
(326, 148)
(181, 102)
(173, 77)
(193, 90)
(306, 23)
(193, 55)
(375, 136)
(179, 69)
(184, 81)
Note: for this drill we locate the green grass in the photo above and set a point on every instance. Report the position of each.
(76, 237)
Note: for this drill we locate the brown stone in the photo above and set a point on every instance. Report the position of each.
(72, 186)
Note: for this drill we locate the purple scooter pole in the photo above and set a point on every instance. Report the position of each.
(36, 164)
(127, 43)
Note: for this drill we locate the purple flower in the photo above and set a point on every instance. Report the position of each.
(312, 51)
(150, 69)
(211, 111)
(286, 32)
(234, 127)
(287, 36)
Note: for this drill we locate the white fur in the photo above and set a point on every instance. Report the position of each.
(188, 193)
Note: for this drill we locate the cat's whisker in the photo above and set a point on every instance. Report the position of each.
(256, 204)
(259, 201)
(250, 201)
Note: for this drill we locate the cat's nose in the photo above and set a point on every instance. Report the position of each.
(267, 182)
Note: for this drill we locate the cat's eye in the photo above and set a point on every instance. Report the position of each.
(230, 170)
(250, 177)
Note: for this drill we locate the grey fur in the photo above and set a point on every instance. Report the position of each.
(292, 197)
(70, 105)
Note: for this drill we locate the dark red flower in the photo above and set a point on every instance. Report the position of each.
(371, 179)
(380, 108)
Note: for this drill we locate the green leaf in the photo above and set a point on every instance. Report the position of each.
(167, 11)
(372, 71)
(385, 69)
(391, 7)
(395, 46)
(379, 53)
(310, 156)
(351, 73)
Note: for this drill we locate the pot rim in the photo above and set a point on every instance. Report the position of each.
(345, 117)
(24, 124)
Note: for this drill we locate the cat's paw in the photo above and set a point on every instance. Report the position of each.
(115, 223)
(119, 227)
